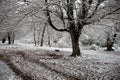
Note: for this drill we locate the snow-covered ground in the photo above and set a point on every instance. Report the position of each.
(44, 63)
(6, 73)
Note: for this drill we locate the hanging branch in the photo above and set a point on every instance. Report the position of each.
(50, 22)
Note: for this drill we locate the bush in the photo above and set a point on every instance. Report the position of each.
(87, 42)
(94, 47)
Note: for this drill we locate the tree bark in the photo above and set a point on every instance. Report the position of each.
(9, 38)
(109, 44)
(39, 36)
(13, 37)
(43, 33)
(75, 45)
(109, 47)
(34, 35)
(49, 44)
(3, 40)
(48, 35)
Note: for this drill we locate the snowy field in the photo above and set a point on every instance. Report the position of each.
(27, 62)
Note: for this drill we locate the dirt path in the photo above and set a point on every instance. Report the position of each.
(46, 67)
(6, 73)
(50, 65)
(25, 76)
(14, 68)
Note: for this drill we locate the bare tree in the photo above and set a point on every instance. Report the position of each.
(10, 19)
(11, 37)
(48, 34)
(42, 38)
(75, 14)
(113, 30)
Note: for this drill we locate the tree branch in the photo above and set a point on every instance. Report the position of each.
(110, 13)
(50, 22)
(102, 17)
(96, 8)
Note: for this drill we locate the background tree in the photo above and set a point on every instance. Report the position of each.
(10, 19)
(113, 30)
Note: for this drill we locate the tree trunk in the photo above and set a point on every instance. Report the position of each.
(3, 40)
(34, 35)
(49, 41)
(13, 37)
(75, 45)
(109, 44)
(39, 36)
(43, 32)
(109, 47)
(9, 38)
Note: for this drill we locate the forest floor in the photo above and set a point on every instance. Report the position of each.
(26, 62)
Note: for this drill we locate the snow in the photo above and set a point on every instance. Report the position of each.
(6, 73)
(20, 3)
(22, 46)
(45, 63)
